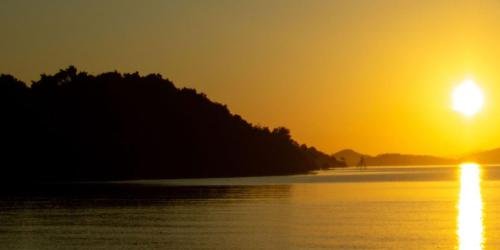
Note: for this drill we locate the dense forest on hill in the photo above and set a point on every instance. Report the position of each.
(76, 126)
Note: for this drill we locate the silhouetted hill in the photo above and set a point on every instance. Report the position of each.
(77, 126)
(488, 157)
(406, 159)
(352, 158)
(349, 156)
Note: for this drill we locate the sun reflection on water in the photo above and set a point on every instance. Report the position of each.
(470, 208)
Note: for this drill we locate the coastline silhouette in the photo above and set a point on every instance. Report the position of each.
(112, 126)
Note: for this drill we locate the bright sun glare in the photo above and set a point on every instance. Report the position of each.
(467, 98)
(470, 208)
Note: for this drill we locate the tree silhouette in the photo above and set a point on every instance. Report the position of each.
(77, 126)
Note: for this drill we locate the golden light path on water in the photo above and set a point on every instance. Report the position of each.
(470, 208)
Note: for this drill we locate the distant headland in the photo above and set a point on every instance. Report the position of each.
(351, 158)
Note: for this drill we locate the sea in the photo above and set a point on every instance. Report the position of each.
(385, 207)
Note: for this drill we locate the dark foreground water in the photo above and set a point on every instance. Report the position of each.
(438, 207)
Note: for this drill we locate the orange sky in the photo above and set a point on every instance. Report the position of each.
(374, 76)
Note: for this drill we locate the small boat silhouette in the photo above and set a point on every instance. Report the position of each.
(362, 163)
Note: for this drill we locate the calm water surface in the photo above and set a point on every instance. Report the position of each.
(431, 207)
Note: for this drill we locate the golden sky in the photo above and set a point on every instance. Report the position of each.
(375, 76)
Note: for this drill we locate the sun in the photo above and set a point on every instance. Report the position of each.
(467, 98)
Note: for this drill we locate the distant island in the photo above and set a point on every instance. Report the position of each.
(352, 158)
(77, 126)
(486, 157)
